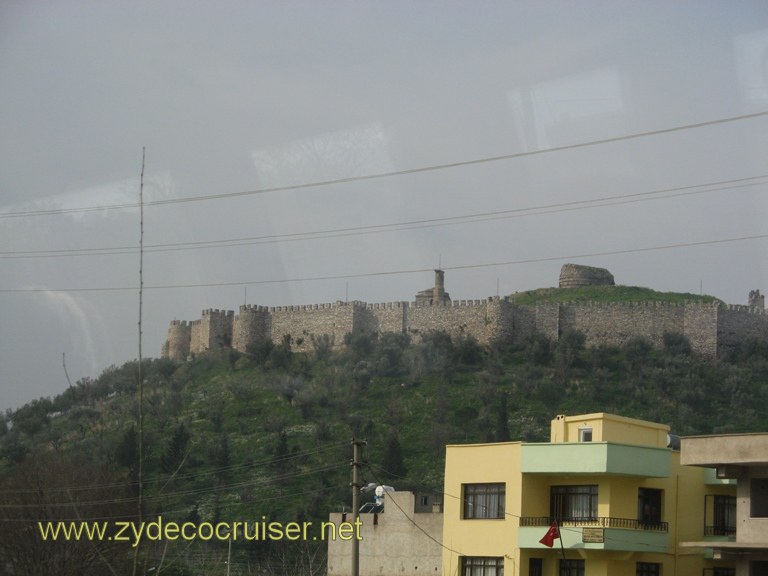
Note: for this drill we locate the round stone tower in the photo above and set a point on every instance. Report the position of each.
(577, 276)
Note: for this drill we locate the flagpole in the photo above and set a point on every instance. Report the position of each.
(562, 547)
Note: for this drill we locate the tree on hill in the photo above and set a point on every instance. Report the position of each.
(392, 459)
(176, 451)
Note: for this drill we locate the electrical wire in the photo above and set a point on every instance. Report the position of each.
(394, 272)
(553, 208)
(422, 169)
(231, 468)
(252, 483)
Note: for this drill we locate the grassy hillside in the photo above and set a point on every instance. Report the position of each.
(605, 294)
(233, 437)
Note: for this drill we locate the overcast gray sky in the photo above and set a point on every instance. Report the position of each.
(234, 97)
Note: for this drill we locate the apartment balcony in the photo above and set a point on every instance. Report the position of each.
(720, 532)
(595, 458)
(600, 533)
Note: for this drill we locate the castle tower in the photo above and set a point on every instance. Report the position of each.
(176, 346)
(756, 300)
(250, 327)
(212, 331)
(437, 293)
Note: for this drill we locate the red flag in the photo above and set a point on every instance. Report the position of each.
(552, 534)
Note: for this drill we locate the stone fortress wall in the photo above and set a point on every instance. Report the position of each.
(710, 327)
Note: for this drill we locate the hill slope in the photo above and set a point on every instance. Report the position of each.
(230, 436)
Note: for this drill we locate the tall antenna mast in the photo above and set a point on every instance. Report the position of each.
(141, 373)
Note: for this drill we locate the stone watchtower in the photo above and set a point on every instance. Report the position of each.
(756, 300)
(578, 276)
(435, 294)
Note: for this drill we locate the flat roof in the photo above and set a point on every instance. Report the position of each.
(725, 449)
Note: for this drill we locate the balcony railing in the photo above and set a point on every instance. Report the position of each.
(597, 521)
(719, 530)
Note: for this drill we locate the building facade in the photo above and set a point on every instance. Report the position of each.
(741, 459)
(612, 488)
(402, 538)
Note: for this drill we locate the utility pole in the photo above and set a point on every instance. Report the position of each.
(356, 485)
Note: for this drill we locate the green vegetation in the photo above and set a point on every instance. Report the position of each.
(605, 294)
(232, 437)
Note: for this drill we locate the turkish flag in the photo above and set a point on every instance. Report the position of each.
(552, 534)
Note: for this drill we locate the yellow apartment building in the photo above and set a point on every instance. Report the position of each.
(615, 487)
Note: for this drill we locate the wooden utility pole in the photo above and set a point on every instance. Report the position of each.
(356, 485)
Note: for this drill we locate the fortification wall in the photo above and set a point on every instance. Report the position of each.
(700, 327)
(518, 322)
(737, 323)
(303, 322)
(380, 318)
(614, 324)
(475, 317)
(177, 343)
(252, 325)
(710, 328)
(547, 320)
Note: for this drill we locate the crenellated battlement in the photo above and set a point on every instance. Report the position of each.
(386, 305)
(450, 303)
(638, 304)
(307, 307)
(217, 312)
(710, 326)
(742, 309)
(245, 308)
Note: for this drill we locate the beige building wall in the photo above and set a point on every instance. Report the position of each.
(395, 542)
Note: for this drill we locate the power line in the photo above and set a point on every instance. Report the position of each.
(196, 475)
(407, 225)
(422, 169)
(328, 466)
(393, 272)
(462, 501)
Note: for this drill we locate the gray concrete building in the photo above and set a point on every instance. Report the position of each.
(742, 458)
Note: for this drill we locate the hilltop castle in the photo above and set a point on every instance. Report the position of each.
(710, 327)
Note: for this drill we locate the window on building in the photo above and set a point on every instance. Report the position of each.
(724, 516)
(482, 566)
(571, 568)
(535, 567)
(585, 434)
(758, 496)
(759, 568)
(723, 572)
(484, 500)
(648, 569)
(573, 502)
(649, 506)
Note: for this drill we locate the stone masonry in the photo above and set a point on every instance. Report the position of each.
(578, 276)
(711, 328)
